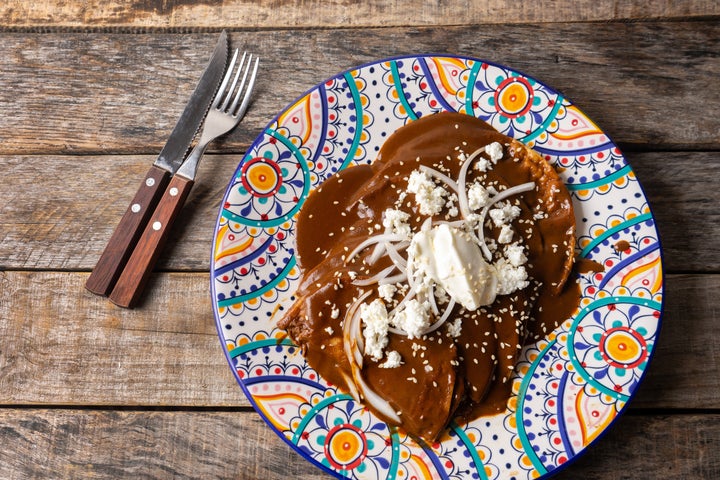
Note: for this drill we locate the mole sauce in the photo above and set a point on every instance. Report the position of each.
(441, 377)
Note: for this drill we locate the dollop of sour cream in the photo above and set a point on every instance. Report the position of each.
(453, 260)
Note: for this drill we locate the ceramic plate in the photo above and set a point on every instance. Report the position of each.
(568, 387)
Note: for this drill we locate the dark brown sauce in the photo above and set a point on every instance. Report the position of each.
(586, 265)
(470, 375)
(622, 245)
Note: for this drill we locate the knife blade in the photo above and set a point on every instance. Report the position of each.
(133, 222)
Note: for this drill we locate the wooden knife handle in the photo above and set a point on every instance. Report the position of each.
(138, 268)
(126, 234)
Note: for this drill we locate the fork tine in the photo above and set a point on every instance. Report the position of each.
(221, 91)
(231, 110)
(246, 100)
(230, 90)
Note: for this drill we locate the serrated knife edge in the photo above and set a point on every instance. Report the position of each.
(196, 109)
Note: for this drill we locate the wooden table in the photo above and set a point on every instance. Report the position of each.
(90, 91)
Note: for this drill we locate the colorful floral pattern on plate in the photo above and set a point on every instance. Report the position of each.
(568, 387)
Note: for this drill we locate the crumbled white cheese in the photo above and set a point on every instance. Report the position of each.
(491, 244)
(387, 291)
(419, 180)
(506, 234)
(413, 319)
(397, 222)
(335, 312)
(329, 330)
(401, 197)
(450, 205)
(510, 278)
(441, 295)
(455, 328)
(430, 198)
(376, 322)
(478, 196)
(482, 164)
(515, 254)
(494, 151)
(505, 213)
(393, 360)
(472, 221)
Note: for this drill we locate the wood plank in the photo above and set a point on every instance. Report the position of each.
(684, 206)
(122, 93)
(59, 443)
(47, 223)
(62, 345)
(296, 13)
(71, 444)
(685, 369)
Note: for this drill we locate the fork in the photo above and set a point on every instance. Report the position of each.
(226, 111)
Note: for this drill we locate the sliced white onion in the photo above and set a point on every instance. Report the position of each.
(408, 296)
(376, 253)
(431, 299)
(379, 249)
(397, 331)
(514, 190)
(454, 224)
(353, 343)
(383, 237)
(400, 277)
(463, 202)
(443, 319)
(396, 258)
(380, 404)
(440, 176)
(351, 386)
(481, 238)
(377, 278)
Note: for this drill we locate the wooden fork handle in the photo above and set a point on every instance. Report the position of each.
(126, 234)
(129, 286)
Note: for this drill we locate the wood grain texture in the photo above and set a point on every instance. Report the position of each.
(91, 444)
(65, 224)
(298, 13)
(122, 93)
(64, 345)
(73, 444)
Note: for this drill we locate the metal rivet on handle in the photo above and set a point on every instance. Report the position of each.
(157, 226)
(150, 182)
(135, 208)
(173, 191)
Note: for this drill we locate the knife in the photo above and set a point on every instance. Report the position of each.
(126, 234)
